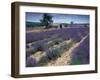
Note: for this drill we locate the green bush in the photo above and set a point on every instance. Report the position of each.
(43, 61)
(57, 41)
(54, 53)
(50, 44)
(33, 50)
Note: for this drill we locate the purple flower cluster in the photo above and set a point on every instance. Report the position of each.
(45, 40)
(80, 55)
(31, 62)
(65, 33)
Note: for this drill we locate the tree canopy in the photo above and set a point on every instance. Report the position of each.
(46, 20)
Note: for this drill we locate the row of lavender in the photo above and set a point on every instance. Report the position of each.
(66, 33)
(42, 45)
(80, 55)
(52, 53)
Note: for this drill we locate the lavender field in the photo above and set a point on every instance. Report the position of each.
(43, 48)
(56, 39)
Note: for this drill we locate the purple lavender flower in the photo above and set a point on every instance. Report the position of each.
(80, 55)
(31, 62)
(65, 34)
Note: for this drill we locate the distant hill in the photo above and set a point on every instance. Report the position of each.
(33, 24)
(38, 24)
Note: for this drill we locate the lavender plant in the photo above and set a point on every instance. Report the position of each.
(31, 62)
(80, 55)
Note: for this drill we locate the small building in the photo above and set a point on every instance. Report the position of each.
(61, 26)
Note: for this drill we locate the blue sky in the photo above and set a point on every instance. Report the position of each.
(58, 18)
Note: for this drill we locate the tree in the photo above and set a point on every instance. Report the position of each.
(47, 20)
(72, 22)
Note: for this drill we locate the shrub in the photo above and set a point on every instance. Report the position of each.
(49, 53)
(33, 50)
(28, 54)
(57, 41)
(31, 62)
(56, 52)
(53, 53)
(43, 61)
(50, 44)
(42, 47)
(30, 51)
(63, 45)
